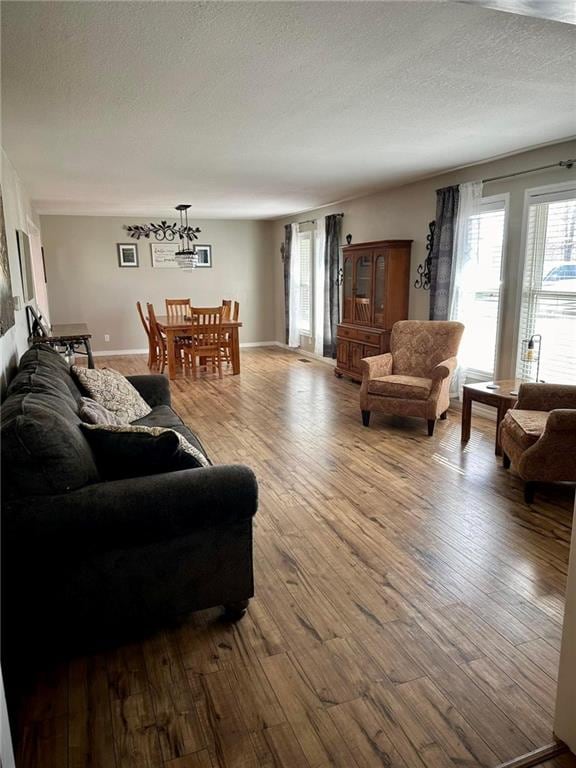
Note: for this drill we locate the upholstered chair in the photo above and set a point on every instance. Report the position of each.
(413, 379)
(538, 435)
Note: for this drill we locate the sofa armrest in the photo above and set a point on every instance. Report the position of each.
(154, 388)
(132, 512)
(379, 365)
(444, 369)
(561, 420)
(546, 397)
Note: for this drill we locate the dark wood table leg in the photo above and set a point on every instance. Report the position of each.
(466, 416)
(235, 351)
(503, 406)
(89, 353)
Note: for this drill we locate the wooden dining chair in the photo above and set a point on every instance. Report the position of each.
(151, 345)
(207, 339)
(157, 340)
(230, 311)
(180, 308)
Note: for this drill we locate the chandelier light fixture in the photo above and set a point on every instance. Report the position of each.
(186, 256)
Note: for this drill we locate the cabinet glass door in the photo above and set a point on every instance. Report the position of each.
(363, 292)
(379, 290)
(348, 291)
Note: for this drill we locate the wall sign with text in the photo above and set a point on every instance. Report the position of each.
(164, 255)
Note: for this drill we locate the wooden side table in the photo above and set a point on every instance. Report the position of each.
(69, 335)
(503, 398)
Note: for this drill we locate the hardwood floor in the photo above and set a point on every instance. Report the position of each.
(408, 603)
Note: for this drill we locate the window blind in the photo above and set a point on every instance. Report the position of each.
(305, 255)
(549, 289)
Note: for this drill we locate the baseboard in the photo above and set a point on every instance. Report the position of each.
(537, 757)
(117, 352)
(144, 351)
(257, 344)
(304, 353)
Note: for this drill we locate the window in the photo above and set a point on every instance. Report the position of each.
(479, 295)
(305, 254)
(548, 304)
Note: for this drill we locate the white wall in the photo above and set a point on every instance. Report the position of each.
(86, 285)
(565, 722)
(6, 752)
(404, 212)
(18, 214)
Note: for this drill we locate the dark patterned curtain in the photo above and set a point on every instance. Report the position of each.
(286, 256)
(331, 287)
(443, 251)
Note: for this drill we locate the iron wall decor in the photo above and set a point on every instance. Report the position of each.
(186, 255)
(127, 255)
(162, 231)
(425, 270)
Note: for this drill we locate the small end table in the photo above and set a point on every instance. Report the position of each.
(69, 335)
(501, 395)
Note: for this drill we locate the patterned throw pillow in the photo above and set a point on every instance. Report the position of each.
(93, 412)
(113, 391)
(130, 450)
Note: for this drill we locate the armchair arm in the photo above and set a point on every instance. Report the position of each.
(546, 397)
(561, 420)
(132, 512)
(154, 388)
(374, 367)
(444, 369)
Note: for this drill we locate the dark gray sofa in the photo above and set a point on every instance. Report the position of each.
(88, 560)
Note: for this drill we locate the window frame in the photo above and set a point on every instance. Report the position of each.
(496, 202)
(308, 233)
(543, 194)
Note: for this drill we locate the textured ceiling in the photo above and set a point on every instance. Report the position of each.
(261, 109)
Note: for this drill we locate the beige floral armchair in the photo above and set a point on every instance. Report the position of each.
(538, 435)
(413, 379)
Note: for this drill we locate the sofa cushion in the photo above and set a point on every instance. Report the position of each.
(43, 448)
(164, 416)
(128, 450)
(525, 427)
(92, 412)
(41, 369)
(45, 355)
(404, 387)
(112, 390)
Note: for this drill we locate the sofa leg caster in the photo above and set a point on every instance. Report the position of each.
(235, 611)
(431, 425)
(529, 490)
(444, 416)
(366, 418)
(505, 461)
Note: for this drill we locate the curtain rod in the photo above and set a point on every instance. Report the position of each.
(562, 164)
(313, 221)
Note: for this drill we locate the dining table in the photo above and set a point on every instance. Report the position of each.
(173, 326)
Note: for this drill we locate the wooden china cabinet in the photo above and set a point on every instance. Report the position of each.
(375, 278)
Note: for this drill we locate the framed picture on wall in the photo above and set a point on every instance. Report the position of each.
(164, 255)
(127, 254)
(204, 253)
(25, 259)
